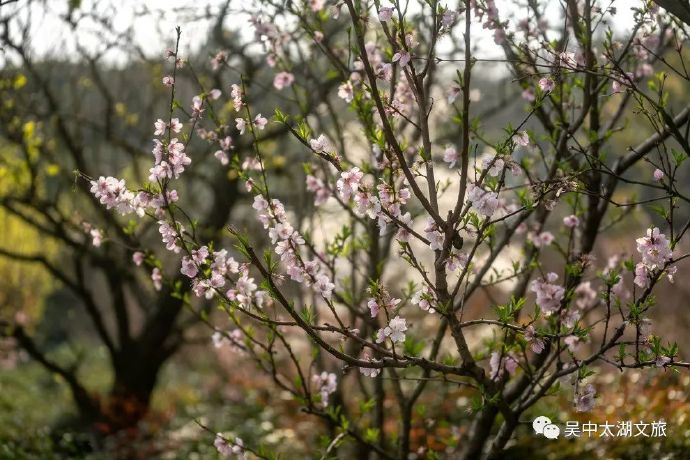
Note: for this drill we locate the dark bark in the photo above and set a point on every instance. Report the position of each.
(130, 396)
(480, 430)
(678, 8)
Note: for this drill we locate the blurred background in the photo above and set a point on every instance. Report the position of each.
(97, 346)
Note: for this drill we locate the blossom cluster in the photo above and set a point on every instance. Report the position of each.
(326, 383)
(549, 295)
(287, 243)
(170, 157)
(656, 253)
(395, 331)
(228, 448)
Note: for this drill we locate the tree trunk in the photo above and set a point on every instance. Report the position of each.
(129, 398)
(480, 431)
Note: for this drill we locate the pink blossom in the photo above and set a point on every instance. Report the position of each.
(528, 95)
(245, 290)
(223, 264)
(620, 291)
(585, 296)
(219, 59)
(346, 91)
(385, 301)
(493, 165)
(549, 295)
(499, 363)
(403, 234)
(425, 299)
(385, 13)
(160, 171)
(522, 138)
(641, 275)
(197, 107)
(320, 144)
(453, 93)
(280, 232)
(373, 307)
(369, 371)
(227, 449)
(644, 70)
(189, 267)
(251, 164)
(199, 255)
(222, 157)
(138, 258)
(260, 203)
(96, 237)
(434, 235)
(169, 236)
(233, 338)
(485, 203)
(662, 361)
(240, 124)
(542, 239)
(160, 126)
(571, 221)
(326, 384)
(572, 342)
(175, 125)
(384, 71)
(316, 5)
(658, 175)
(654, 248)
(670, 273)
(536, 344)
(547, 84)
(567, 59)
(111, 192)
(570, 317)
(321, 192)
(403, 57)
(450, 156)
(157, 279)
(395, 330)
(177, 159)
(367, 204)
(324, 286)
(225, 143)
(222, 446)
(236, 94)
(260, 122)
(283, 80)
(349, 182)
(215, 94)
(448, 19)
(456, 261)
(584, 400)
(168, 81)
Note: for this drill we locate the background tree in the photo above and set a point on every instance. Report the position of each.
(60, 117)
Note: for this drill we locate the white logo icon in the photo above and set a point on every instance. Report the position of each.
(543, 425)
